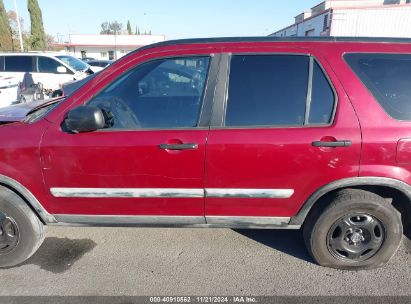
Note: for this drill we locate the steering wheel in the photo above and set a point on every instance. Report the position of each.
(124, 116)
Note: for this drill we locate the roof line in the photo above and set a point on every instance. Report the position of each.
(276, 39)
(268, 39)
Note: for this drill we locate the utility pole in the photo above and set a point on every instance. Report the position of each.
(19, 26)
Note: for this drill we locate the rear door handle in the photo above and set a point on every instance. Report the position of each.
(332, 144)
(179, 147)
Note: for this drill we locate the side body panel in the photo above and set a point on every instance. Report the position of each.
(281, 158)
(382, 135)
(126, 172)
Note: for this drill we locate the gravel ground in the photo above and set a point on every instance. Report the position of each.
(119, 261)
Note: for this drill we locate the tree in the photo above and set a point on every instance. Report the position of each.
(111, 28)
(15, 31)
(6, 39)
(137, 30)
(129, 30)
(51, 43)
(38, 36)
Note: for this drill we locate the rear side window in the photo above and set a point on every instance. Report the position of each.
(274, 90)
(18, 63)
(388, 77)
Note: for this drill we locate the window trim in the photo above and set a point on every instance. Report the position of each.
(219, 112)
(207, 101)
(2, 61)
(365, 86)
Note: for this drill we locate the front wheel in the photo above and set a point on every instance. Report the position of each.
(358, 230)
(21, 232)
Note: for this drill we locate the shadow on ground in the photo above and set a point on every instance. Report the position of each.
(407, 237)
(287, 241)
(291, 241)
(57, 255)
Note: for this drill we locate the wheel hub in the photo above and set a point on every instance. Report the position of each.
(9, 234)
(355, 237)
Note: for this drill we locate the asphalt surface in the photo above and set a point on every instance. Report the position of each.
(108, 261)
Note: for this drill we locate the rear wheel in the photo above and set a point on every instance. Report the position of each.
(21, 232)
(358, 230)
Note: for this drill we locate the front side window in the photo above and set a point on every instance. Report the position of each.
(388, 77)
(47, 65)
(160, 94)
(18, 64)
(273, 90)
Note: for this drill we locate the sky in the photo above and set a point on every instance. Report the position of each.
(173, 18)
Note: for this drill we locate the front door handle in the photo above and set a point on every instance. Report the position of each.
(179, 147)
(332, 144)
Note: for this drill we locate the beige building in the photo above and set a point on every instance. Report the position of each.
(354, 18)
(107, 47)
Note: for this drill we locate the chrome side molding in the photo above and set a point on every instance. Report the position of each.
(127, 193)
(170, 193)
(249, 193)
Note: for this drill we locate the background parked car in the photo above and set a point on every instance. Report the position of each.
(100, 63)
(52, 70)
(9, 91)
(87, 59)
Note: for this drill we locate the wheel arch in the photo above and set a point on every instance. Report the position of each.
(28, 197)
(397, 188)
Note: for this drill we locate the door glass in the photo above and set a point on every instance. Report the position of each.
(47, 65)
(322, 98)
(267, 90)
(161, 94)
(18, 64)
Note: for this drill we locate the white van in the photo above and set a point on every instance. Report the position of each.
(9, 91)
(52, 70)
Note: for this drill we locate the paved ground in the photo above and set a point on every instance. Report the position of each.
(104, 261)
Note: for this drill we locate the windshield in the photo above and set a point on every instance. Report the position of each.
(74, 63)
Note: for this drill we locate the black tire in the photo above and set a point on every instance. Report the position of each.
(339, 236)
(25, 228)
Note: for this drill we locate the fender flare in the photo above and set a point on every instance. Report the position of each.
(299, 218)
(29, 197)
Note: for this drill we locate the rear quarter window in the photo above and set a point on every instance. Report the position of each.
(388, 78)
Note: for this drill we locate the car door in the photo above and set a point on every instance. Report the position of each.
(148, 165)
(282, 128)
(46, 72)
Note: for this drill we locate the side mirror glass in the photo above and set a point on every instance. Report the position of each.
(62, 70)
(85, 119)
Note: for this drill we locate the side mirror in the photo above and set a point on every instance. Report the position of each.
(85, 119)
(62, 70)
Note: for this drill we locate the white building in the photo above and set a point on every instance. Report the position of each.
(108, 47)
(353, 18)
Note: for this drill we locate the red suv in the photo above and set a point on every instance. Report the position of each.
(234, 132)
